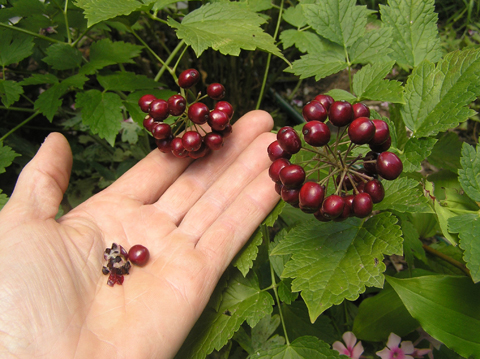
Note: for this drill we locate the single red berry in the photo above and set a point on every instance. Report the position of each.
(149, 123)
(164, 145)
(311, 197)
(276, 167)
(389, 166)
(325, 100)
(360, 187)
(158, 109)
(177, 148)
(276, 151)
(138, 255)
(192, 140)
(361, 130)
(333, 206)
(176, 105)
(161, 131)
(201, 152)
(216, 91)
(226, 107)
(347, 209)
(340, 113)
(218, 120)
(314, 111)
(145, 101)
(360, 110)
(316, 133)
(290, 195)
(382, 133)
(362, 205)
(321, 216)
(188, 78)
(278, 188)
(375, 189)
(227, 131)
(383, 147)
(198, 113)
(292, 176)
(213, 140)
(288, 138)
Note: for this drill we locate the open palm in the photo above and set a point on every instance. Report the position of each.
(193, 218)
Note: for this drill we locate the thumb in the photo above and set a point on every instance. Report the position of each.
(43, 181)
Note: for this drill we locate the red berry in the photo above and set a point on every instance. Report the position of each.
(389, 166)
(188, 78)
(314, 111)
(145, 101)
(288, 138)
(138, 255)
(321, 216)
(201, 152)
(362, 205)
(316, 133)
(361, 130)
(383, 147)
(198, 113)
(276, 151)
(292, 176)
(276, 167)
(149, 123)
(311, 197)
(158, 109)
(375, 189)
(226, 107)
(192, 140)
(164, 145)
(325, 100)
(227, 131)
(382, 133)
(177, 148)
(161, 131)
(360, 110)
(176, 105)
(347, 209)
(278, 188)
(216, 91)
(370, 167)
(333, 206)
(290, 195)
(340, 113)
(213, 140)
(218, 120)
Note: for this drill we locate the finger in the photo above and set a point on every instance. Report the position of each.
(43, 181)
(229, 185)
(224, 239)
(193, 183)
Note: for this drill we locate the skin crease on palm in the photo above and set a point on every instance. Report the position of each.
(192, 216)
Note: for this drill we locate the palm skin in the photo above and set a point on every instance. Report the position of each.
(193, 218)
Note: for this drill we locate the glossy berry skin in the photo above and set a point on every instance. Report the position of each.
(161, 131)
(216, 91)
(340, 113)
(362, 205)
(375, 189)
(288, 138)
(361, 131)
(226, 107)
(158, 109)
(149, 123)
(276, 167)
(311, 197)
(145, 101)
(333, 206)
(314, 111)
(138, 255)
(164, 145)
(383, 147)
(201, 152)
(347, 209)
(290, 195)
(316, 133)
(227, 131)
(321, 216)
(188, 78)
(389, 166)
(176, 105)
(218, 120)
(382, 133)
(177, 148)
(192, 140)
(278, 188)
(275, 151)
(325, 100)
(213, 140)
(360, 110)
(198, 113)
(292, 176)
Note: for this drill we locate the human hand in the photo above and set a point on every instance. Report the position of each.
(55, 302)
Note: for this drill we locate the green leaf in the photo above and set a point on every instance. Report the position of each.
(301, 348)
(415, 34)
(7, 155)
(468, 228)
(224, 27)
(446, 308)
(446, 152)
(244, 260)
(294, 16)
(319, 65)
(469, 174)
(126, 81)
(63, 57)
(10, 92)
(22, 8)
(339, 95)
(14, 46)
(404, 195)
(340, 21)
(369, 84)
(96, 11)
(443, 215)
(40, 79)
(304, 41)
(242, 301)
(335, 261)
(130, 132)
(274, 214)
(437, 98)
(102, 112)
(371, 46)
(415, 152)
(382, 314)
(3, 199)
(412, 245)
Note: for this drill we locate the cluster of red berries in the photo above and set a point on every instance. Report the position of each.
(119, 261)
(355, 176)
(195, 141)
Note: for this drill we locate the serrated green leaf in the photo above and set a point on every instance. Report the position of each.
(7, 155)
(10, 92)
(40, 79)
(469, 174)
(63, 57)
(22, 8)
(304, 41)
(294, 16)
(301, 348)
(398, 126)
(262, 333)
(443, 215)
(160, 4)
(415, 152)
(341, 95)
(130, 132)
(468, 228)
(340, 21)
(371, 46)
(404, 195)
(274, 214)
(319, 65)
(96, 11)
(437, 98)
(335, 261)
(446, 152)
(456, 298)
(14, 46)
(415, 34)
(244, 260)
(285, 293)
(224, 27)
(3, 199)
(126, 81)
(369, 84)
(441, 266)
(102, 112)
(242, 301)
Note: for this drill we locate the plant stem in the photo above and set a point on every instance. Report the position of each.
(66, 22)
(274, 285)
(447, 259)
(19, 125)
(19, 29)
(17, 109)
(170, 59)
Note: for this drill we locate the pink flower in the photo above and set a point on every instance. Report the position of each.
(351, 350)
(394, 351)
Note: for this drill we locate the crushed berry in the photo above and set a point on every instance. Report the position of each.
(118, 264)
